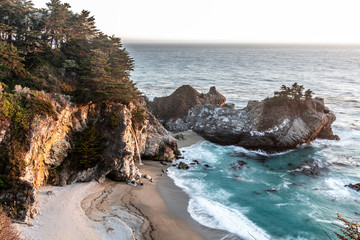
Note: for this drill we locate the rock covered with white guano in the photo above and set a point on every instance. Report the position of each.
(266, 125)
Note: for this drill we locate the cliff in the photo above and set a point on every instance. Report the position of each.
(77, 143)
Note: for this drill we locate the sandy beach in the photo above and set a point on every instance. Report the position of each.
(189, 139)
(113, 210)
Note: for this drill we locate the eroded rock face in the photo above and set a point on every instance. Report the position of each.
(182, 100)
(50, 140)
(159, 144)
(260, 125)
(50, 143)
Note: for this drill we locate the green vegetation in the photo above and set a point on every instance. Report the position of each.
(87, 148)
(349, 230)
(57, 50)
(293, 94)
(20, 108)
(138, 116)
(115, 119)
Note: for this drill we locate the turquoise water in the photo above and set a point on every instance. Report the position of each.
(270, 197)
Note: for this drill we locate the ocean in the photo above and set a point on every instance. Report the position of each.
(272, 197)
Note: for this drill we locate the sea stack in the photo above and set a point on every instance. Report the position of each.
(270, 125)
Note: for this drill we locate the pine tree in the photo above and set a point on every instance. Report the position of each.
(10, 62)
(56, 24)
(308, 94)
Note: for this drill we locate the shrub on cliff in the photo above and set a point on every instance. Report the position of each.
(7, 230)
(138, 116)
(293, 94)
(22, 107)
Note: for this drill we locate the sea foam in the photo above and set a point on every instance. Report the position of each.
(216, 215)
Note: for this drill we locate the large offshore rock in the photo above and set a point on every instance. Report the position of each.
(265, 125)
(182, 100)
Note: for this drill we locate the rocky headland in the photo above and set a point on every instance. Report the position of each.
(77, 143)
(274, 124)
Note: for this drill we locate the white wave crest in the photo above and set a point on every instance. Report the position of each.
(215, 215)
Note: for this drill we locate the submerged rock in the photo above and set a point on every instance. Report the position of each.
(311, 169)
(266, 125)
(239, 165)
(271, 190)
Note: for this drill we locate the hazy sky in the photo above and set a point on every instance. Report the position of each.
(234, 21)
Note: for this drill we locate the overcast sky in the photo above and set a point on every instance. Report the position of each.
(228, 21)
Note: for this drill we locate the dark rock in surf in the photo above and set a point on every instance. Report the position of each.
(239, 165)
(197, 162)
(355, 187)
(183, 166)
(311, 169)
(271, 190)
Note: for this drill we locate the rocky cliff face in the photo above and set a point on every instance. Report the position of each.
(261, 125)
(123, 142)
(126, 131)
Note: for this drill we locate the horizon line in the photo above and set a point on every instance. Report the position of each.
(199, 42)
